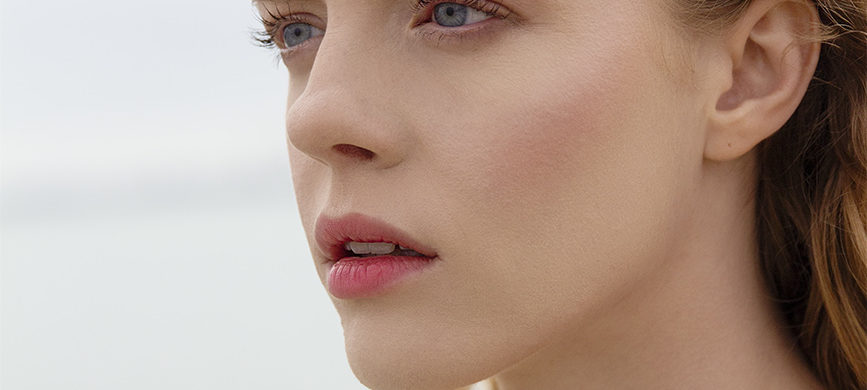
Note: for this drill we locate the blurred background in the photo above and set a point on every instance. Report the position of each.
(148, 231)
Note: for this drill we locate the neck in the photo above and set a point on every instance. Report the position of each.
(703, 321)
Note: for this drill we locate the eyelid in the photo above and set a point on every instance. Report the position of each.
(274, 28)
(421, 21)
(430, 32)
(424, 9)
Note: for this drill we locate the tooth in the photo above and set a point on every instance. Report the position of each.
(380, 248)
(403, 248)
(346, 246)
(359, 248)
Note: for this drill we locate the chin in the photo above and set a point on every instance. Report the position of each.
(416, 371)
(382, 363)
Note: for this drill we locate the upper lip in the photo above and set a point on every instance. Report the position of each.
(332, 233)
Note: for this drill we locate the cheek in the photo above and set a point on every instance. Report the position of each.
(539, 143)
(569, 118)
(565, 131)
(561, 192)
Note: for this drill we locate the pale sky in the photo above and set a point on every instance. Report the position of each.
(149, 234)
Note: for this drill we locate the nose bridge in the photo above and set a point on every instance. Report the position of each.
(353, 50)
(345, 114)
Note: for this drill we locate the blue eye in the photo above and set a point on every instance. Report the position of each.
(297, 33)
(457, 15)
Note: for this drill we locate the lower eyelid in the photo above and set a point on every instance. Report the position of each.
(442, 35)
(291, 51)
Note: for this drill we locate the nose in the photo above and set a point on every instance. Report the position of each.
(348, 114)
(332, 126)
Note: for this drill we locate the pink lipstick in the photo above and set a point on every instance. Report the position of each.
(366, 256)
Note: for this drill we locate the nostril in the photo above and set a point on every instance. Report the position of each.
(354, 152)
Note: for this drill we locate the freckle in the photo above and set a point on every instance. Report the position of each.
(730, 144)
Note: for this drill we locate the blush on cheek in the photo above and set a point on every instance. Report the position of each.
(567, 119)
(544, 142)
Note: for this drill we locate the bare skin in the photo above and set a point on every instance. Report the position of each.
(585, 172)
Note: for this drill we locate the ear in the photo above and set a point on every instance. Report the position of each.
(766, 70)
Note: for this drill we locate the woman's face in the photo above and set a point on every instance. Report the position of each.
(549, 158)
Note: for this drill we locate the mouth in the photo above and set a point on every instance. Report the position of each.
(375, 249)
(358, 236)
(366, 256)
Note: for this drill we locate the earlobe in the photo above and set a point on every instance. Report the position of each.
(770, 68)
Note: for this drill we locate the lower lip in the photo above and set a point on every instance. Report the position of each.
(362, 277)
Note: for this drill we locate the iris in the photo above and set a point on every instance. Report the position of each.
(450, 14)
(296, 33)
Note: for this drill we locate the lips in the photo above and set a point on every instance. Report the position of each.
(332, 235)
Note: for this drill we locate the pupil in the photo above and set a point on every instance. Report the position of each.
(450, 11)
(298, 32)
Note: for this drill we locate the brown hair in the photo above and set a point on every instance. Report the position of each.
(811, 200)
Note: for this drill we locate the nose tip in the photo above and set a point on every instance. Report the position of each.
(338, 131)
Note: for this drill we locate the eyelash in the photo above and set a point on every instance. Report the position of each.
(269, 37)
(485, 6)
